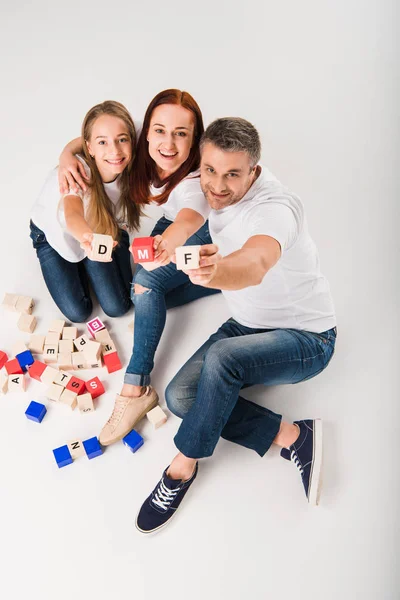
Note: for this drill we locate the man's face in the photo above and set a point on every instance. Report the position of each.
(225, 176)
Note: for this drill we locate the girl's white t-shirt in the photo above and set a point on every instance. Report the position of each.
(48, 214)
(294, 294)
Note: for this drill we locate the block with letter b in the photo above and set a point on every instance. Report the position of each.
(94, 326)
(142, 249)
(187, 257)
(102, 247)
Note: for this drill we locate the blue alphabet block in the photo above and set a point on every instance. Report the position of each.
(133, 441)
(63, 456)
(25, 359)
(92, 448)
(36, 411)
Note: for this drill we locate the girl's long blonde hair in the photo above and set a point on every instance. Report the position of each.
(100, 213)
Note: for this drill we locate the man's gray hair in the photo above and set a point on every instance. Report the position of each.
(234, 134)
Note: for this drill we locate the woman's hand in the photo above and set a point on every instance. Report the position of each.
(71, 174)
(162, 251)
(209, 259)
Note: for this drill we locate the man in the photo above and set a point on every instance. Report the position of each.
(282, 330)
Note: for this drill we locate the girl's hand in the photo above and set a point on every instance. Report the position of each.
(86, 243)
(162, 252)
(209, 258)
(71, 174)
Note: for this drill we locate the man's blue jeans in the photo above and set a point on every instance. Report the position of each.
(68, 283)
(205, 392)
(166, 288)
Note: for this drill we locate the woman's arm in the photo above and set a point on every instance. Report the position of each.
(187, 222)
(71, 172)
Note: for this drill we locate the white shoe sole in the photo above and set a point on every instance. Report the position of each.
(316, 468)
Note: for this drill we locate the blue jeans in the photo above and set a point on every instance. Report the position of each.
(166, 288)
(68, 283)
(205, 392)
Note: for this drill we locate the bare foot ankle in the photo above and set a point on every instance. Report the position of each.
(132, 391)
(182, 467)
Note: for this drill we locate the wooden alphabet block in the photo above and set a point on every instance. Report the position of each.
(78, 360)
(142, 249)
(108, 348)
(112, 362)
(102, 247)
(62, 378)
(57, 326)
(69, 333)
(54, 392)
(36, 344)
(102, 335)
(16, 383)
(3, 383)
(157, 417)
(85, 403)
(25, 305)
(69, 398)
(36, 370)
(50, 353)
(52, 338)
(94, 325)
(80, 342)
(76, 448)
(76, 385)
(13, 367)
(3, 359)
(65, 346)
(18, 347)
(10, 302)
(187, 257)
(27, 323)
(48, 376)
(93, 363)
(92, 351)
(65, 361)
(94, 387)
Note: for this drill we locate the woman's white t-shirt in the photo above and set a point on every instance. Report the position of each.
(187, 194)
(48, 214)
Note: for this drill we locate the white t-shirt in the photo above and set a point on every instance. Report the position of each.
(48, 214)
(293, 294)
(187, 194)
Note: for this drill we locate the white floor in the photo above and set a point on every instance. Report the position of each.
(317, 78)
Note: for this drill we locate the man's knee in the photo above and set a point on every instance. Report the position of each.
(176, 402)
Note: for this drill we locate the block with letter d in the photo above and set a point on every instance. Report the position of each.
(102, 247)
(142, 250)
(187, 257)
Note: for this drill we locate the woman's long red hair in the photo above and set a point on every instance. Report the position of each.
(144, 169)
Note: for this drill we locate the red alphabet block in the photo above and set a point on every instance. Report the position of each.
(142, 249)
(112, 362)
(13, 367)
(36, 369)
(94, 387)
(3, 358)
(76, 385)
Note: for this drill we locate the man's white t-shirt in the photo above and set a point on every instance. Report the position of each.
(293, 294)
(48, 214)
(187, 194)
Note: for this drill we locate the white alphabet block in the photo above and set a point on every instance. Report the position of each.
(102, 247)
(187, 257)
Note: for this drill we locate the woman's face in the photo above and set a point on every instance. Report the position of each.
(110, 145)
(170, 137)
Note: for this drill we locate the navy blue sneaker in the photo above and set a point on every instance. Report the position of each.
(306, 454)
(163, 502)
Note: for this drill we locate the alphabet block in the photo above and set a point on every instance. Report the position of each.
(112, 362)
(94, 325)
(18, 347)
(36, 344)
(92, 448)
(36, 411)
(69, 398)
(48, 376)
(92, 351)
(76, 385)
(63, 456)
(102, 335)
(62, 378)
(25, 359)
(26, 323)
(50, 353)
(13, 367)
(108, 348)
(94, 387)
(69, 333)
(65, 346)
(65, 361)
(36, 370)
(52, 338)
(16, 383)
(54, 392)
(93, 363)
(102, 247)
(142, 249)
(10, 302)
(85, 403)
(78, 360)
(25, 305)
(80, 342)
(3, 383)
(76, 448)
(133, 441)
(157, 417)
(187, 257)
(3, 359)
(57, 326)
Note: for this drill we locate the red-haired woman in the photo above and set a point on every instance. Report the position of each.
(165, 172)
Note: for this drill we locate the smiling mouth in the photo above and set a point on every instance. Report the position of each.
(168, 155)
(219, 196)
(116, 163)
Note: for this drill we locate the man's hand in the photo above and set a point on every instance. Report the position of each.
(209, 259)
(71, 174)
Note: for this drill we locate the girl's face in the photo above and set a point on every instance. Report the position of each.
(170, 137)
(110, 145)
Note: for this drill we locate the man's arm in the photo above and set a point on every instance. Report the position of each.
(243, 268)
(187, 222)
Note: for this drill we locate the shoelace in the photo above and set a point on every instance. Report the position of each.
(294, 458)
(120, 405)
(163, 496)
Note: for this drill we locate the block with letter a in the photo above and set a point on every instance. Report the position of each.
(102, 247)
(142, 250)
(187, 257)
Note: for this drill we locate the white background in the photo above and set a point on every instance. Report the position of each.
(319, 79)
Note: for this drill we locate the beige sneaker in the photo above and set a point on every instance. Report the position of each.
(127, 412)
